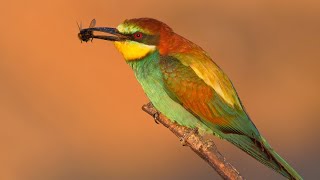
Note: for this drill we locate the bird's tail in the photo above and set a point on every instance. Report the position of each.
(263, 152)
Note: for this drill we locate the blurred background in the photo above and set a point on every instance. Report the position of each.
(72, 111)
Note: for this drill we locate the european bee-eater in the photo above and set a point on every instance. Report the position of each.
(185, 85)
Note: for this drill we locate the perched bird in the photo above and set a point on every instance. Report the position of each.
(185, 85)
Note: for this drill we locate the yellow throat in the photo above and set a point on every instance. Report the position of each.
(132, 50)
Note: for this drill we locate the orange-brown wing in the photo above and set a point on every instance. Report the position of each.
(191, 91)
(188, 89)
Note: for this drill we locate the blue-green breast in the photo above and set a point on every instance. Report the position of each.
(149, 75)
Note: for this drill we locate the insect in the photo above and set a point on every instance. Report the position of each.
(85, 34)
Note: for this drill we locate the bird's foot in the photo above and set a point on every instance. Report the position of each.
(156, 117)
(210, 144)
(185, 137)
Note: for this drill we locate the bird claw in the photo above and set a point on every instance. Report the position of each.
(210, 144)
(156, 117)
(185, 137)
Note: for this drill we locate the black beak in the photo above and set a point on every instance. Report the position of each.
(87, 34)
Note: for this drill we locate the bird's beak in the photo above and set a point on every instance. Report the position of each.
(87, 34)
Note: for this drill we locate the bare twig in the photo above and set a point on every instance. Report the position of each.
(205, 149)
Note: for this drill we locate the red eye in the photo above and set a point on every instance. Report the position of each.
(138, 35)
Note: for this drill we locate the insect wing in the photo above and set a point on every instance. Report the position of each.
(79, 26)
(93, 23)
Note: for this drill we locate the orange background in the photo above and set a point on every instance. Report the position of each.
(73, 111)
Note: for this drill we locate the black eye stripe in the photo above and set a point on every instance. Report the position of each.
(145, 38)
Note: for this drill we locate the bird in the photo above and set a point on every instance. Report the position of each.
(183, 83)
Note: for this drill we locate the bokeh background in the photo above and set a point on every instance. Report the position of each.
(72, 111)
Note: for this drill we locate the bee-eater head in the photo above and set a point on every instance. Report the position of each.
(144, 37)
(137, 38)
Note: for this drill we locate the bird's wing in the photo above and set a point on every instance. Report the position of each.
(211, 74)
(202, 88)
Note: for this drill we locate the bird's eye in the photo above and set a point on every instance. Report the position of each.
(138, 35)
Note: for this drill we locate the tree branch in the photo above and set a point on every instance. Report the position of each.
(205, 149)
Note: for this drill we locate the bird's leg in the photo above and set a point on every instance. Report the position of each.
(156, 117)
(210, 144)
(185, 137)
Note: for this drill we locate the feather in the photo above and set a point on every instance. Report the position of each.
(227, 120)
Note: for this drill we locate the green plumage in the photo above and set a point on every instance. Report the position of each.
(172, 87)
(149, 75)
